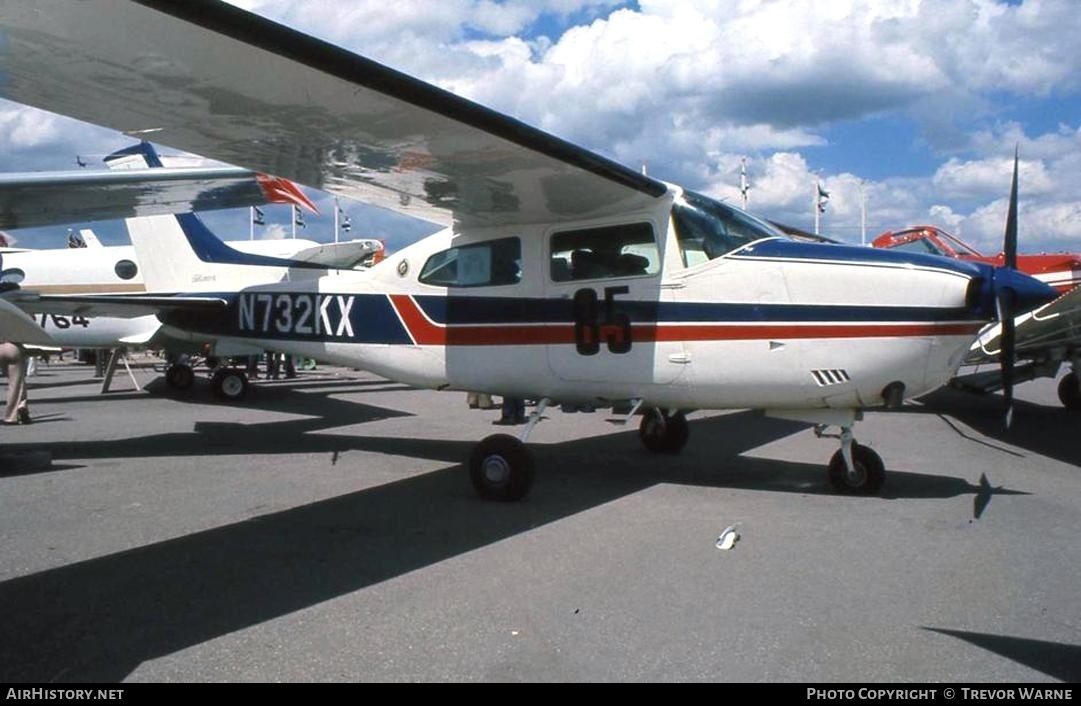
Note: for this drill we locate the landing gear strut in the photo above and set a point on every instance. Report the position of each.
(853, 469)
(501, 467)
(664, 432)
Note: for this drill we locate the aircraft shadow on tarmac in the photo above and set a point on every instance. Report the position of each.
(1055, 659)
(1049, 431)
(99, 619)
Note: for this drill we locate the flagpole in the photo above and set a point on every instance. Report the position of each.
(815, 204)
(251, 222)
(863, 215)
(293, 212)
(337, 211)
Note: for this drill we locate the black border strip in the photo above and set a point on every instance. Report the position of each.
(315, 53)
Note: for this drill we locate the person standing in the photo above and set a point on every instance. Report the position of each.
(17, 409)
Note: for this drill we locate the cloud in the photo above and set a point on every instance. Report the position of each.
(275, 231)
(989, 177)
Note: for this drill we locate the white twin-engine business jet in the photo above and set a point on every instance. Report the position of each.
(137, 174)
(562, 276)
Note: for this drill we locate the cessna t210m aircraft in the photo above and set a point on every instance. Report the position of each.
(562, 276)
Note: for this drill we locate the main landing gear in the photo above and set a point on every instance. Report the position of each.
(501, 467)
(179, 376)
(664, 432)
(229, 384)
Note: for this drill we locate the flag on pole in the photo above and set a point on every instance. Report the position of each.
(257, 216)
(344, 224)
(298, 218)
(823, 197)
(744, 186)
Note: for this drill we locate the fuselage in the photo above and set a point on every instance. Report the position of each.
(691, 305)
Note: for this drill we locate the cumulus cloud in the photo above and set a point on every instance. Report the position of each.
(989, 177)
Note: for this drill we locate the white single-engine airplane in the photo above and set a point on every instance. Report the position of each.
(563, 276)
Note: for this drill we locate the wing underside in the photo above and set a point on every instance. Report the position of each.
(120, 306)
(1054, 326)
(53, 198)
(17, 327)
(215, 80)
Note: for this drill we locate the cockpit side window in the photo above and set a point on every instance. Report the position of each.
(489, 264)
(920, 245)
(707, 229)
(626, 250)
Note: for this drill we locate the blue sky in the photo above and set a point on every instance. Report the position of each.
(919, 101)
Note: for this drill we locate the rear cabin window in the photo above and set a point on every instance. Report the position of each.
(708, 229)
(490, 264)
(607, 252)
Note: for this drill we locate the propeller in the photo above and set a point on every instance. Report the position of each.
(1006, 300)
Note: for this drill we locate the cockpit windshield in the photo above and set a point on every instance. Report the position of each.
(707, 229)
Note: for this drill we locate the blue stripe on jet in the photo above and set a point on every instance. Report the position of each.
(209, 248)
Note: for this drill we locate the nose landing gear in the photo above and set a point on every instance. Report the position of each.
(853, 469)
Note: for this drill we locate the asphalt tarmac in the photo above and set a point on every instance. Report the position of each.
(325, 529)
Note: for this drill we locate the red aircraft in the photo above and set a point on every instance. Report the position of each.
(1060, 270)
(1045, 338)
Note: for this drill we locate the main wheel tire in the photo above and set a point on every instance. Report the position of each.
(179, 376)
(230, 384)
(661, 432)
(870, 472)
(1069, 393)
(501, 468)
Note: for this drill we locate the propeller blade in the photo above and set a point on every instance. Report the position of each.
(1009, 245)
(1006, 300)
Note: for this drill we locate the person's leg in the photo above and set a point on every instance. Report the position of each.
(16, 392)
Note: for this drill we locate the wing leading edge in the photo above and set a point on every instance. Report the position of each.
(215, 80)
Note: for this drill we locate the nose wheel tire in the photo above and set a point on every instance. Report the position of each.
(661, 432)
(229, 384)
(501, 468)
(179, 376)
(867, 476)
(1069, 392)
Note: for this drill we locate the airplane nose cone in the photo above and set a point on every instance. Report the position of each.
(1029, 292)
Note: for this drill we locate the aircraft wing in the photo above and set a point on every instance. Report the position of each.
(53, 198)
(17, 327)
(120, 306)
(1057, 324)
(212, 79)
